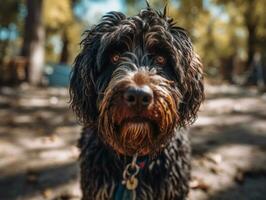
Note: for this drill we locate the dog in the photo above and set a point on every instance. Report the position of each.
(136, 85)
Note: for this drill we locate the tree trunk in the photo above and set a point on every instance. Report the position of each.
(251, 43)
(251, 22)
(3, 52)
(65, 50)
(33, 44)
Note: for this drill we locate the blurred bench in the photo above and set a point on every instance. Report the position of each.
(14, 71)
(57, 75)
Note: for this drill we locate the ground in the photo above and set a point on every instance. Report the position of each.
(38, 154)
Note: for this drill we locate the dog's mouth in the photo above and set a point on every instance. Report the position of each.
(136, 135)
(136, 120)
(138, 124)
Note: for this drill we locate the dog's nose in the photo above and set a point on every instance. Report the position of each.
(138, 96)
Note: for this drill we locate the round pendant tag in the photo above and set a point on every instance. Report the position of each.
(132, 183)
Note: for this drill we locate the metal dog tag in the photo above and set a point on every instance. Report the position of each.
(132, 183)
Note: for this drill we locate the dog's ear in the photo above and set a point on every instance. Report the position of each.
(82, 91)
(191, 81)
(83, 88)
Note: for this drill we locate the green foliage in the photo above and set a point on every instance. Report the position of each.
(59, 20)
(9, 12)
(220, 29)
(57, 14)
(251, 18)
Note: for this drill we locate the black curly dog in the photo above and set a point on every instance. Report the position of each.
(136, 85)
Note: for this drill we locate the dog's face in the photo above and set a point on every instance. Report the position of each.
(136, 80)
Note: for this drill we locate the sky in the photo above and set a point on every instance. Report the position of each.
(90, 11)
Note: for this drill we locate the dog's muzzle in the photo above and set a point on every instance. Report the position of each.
(138, 113)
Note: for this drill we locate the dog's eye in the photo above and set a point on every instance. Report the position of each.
(115, 58)
(160, 60)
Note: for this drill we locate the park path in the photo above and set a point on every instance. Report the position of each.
(38, 134)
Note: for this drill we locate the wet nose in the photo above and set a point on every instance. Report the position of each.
(138, 96)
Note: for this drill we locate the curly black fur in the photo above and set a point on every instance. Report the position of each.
(138, 40)
(165, 177)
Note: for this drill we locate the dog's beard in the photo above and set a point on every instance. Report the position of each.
(136, 136)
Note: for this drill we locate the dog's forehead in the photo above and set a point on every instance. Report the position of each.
(147, 19)
(140, 30)
(115, 27)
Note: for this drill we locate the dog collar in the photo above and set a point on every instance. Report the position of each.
(141, 161)
(127, 188)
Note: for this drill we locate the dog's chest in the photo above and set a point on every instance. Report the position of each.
(165, 177)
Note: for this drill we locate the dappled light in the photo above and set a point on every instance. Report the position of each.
(39, 153)
(38, 144)
(39, 133)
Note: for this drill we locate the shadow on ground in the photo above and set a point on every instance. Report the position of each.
(35, 182)
(38, 135)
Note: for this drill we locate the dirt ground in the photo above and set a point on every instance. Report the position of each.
(38, 156)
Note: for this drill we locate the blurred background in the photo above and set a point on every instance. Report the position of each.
(39, 40)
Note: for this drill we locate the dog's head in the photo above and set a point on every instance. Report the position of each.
(137, 79)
